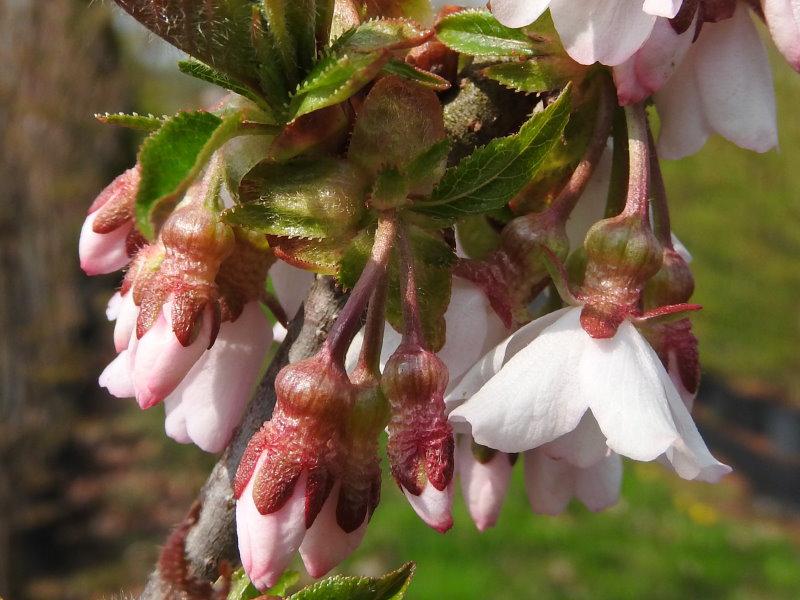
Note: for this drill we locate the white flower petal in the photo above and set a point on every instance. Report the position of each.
(518, 13)
(662, 8)
(175, 418)
(536, 397)
(582, 447)
(326, 544)
(126, 322)
(483, 485)
(598, 486)
(433, 506)
(113, 306)
(783, 19)
(620, 377)
(117, 377)
(102, 253)
(549, 483)
(291, 285)
(735, 82)
(606, 31)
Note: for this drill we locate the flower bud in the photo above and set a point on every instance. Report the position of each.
(243, 273)
(421, 441)
(673, 284)
(783, 19)
(485, 475)
(622, 254)
(103, 246)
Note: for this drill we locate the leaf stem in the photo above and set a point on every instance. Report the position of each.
(412, 333)
(369, 361)
(349, 320)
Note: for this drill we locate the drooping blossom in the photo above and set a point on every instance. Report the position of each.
(783, 20)
(605, 31)
(485, 475)
(104, 245)
(719, 83)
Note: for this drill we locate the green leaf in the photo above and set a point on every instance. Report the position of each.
(243, 589)
(477, 237)
(391, 586)
(304, 198)
(353, 60)
(172, 157)
(425, 78)
(210, 75)
(390, 190)
(132, 121)
(292, 25)
(219, 33)
(428, 167)
(492, 175)
(478, 33)
(334, 79)
(541, 74)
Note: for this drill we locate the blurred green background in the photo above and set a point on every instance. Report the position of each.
(92, 486)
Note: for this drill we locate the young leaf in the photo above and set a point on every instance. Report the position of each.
(424, 78)
(242, 589)
(419, 10)
(172, 157)
(428, 167)
(541, 74)
(391, 586)
(218, 33)
(210, 75)
(382, 34)
(492, 175)
(478, 33)
(132, 121)
(292, 25)
(398, 118)
(305, 198)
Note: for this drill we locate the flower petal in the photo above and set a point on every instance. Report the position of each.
(549, 483)
(582, 447)
(483, 485)
(175, 420)
(620, 377)
(291, 286)
(662, 8)
(783, 19)
(326, 544)
(117, 377)
(491, 363)
(606, 31)
(598, 486)
(433, 506)
(162, 362)
(684, 127)
(267, 542)
(518, 13)
(536, 397)
(102, 253)
(126, 322)
(735, 82)
(216, 390)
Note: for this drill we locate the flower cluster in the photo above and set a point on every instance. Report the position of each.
(527, 299)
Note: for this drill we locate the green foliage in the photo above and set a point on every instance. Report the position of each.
(495, 173)
(418, 76)
(478, 33)
(208, 74)
(540, 74)
(243, 589)
(132, 121)
(173, 156)
(477, 236)
(391, 586)
(427, 168)
(306, 198)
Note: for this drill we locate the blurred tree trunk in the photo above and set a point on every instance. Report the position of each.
(59, 65)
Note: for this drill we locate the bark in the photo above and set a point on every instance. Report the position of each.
(477, 112)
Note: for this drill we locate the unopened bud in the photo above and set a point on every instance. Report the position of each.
(242, 275)
(673, 284)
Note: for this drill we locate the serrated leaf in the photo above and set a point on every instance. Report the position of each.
(418, 76)
(208, 74)
(218, 33)
(478, 33)
(353, 60)
(304, 198)
(419, 10)
(397, 119)
(132, 121)
(242, 588)
(292, 25)
(334, 80)
(171, 158)
(492, 175)
(541, 74)
(428, 167)
(391, 586)
(319, 256)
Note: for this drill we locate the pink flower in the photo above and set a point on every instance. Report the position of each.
(209, 403)
(291, 288)
(606, 31)
(538, 385)
(783, 19)
(485, 475)
(103, 245)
